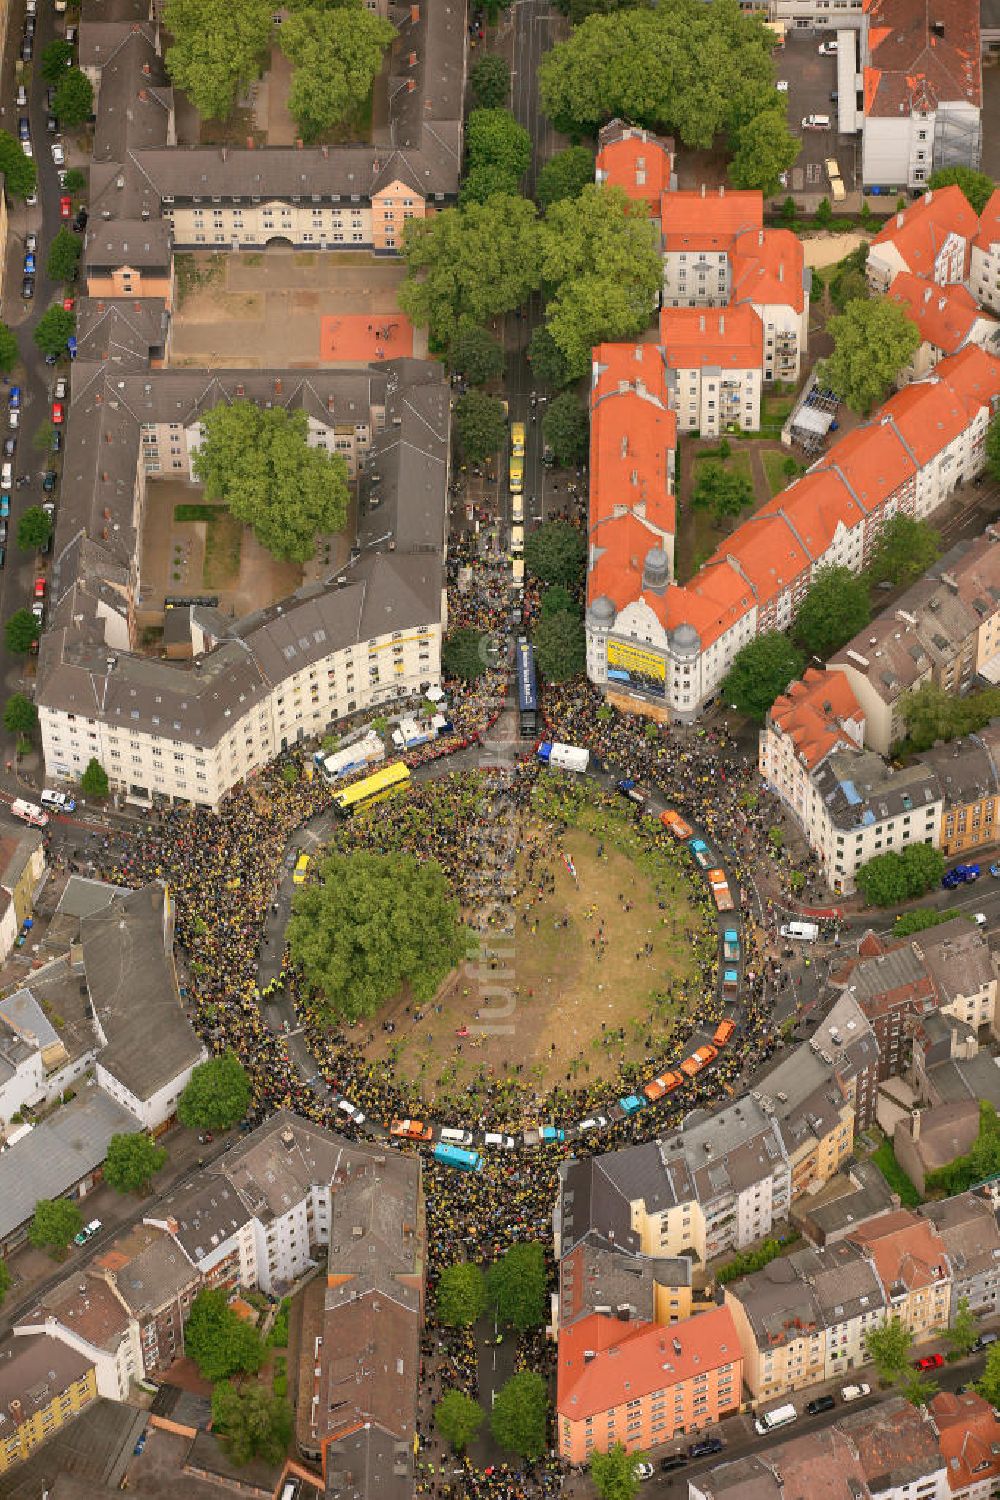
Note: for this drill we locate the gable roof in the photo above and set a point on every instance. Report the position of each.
(945, 315)
(920, 56)
(920, 231)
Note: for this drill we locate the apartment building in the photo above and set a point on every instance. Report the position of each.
(948, 319)
(888, 982)
(43, 1385)
(969, 1437)
(929, 1139)
(814, 717)
(844, 1040)
(155, 1283)
(922, 80)
(23, 865)
(640, 1384)
(911, 1261)
(804, 1093)
(958, 960)
(637, 161)
(85, 1315)
(984, 256)
(970, 780)
(803, 1318)
(931, 239)
(715, 367)
(598, 1276)
(968, 1227)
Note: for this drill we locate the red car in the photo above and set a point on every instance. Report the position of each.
(39, 588)
(68, 304)
(57, 412)
(66, 207)
(929, 1362)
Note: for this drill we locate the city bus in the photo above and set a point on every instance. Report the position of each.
(384, 782)
(457, 1156)
(527, 688)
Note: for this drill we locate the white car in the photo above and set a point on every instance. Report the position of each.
(828, 49)
(26, 147)
(855, 1392)
(60, 388)
(494, 1138)
(13, 416)
(595, 1122)
(58, 154)
(643, 1471)
(352, 1111)
(782, 85)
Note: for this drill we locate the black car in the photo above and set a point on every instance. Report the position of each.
(49, 481)
(28, 288)
(9, 445)
(821, 1403)
(704, 1446)
(3, 531)
(673, 1461)
(57, 441)
(51, 124)
(27, 49)
(3, 556)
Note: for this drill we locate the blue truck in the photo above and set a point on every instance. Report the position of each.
(960, 875)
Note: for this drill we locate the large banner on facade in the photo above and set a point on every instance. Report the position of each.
(636, 667)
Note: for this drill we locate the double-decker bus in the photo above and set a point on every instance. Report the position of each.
(527, 688)
(384, 782)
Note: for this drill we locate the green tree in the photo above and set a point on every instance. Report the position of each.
(475, 354)
(760, 672)
(210, 58)
(601, 258)
(20, 716)
(94, 781)
(41, 438)
(872, 342)
(916, 1388)
(888, 1347)
(371, 924)
(33, 529)
(465, 654)
(4, 1281)
(55, 1223)
(579, 10)
(835, 609)
(132, 1162)
(218, 1340)
(21, 632)
(9, 351)
(516, 1286)
(723, 491)
(565, 175)
(498, 153)
(988, 1384)
(905, 550)
(976, 186)
(74, 98)
(461, 1295)
(520, 1409)
(252, 1421)
(56, 58)
(75, 180)
(566, 429)
(918, 921)
(490, 80)
(557, 600)
(458, 1418)
(893, 877)
(547, 361)
(20, 175)
(472, 262)
(336, 55)
(962, 1334)
(64, 255)
(258, 462)
(993, 448)
(556, 553)
(54, 329)
(613, 1473)
(216, 1096)
(764, 149)
(480, 426)
(560, 646)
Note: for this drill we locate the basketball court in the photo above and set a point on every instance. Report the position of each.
(357, 338)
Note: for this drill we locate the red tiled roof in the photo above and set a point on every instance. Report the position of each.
(969, 1438)
(920, 231)
(632, 1360)
(623, 542)
(989, 223)
(639, 163)
(815, 506)
(943, 314)
(633, 435)
(767, 554)
(694, 338)
(768, 268)
(713, 602)
(811, 711)
(973, 376)
(907, 1250)
(912, 66)
(873, 462)
(709, 221)
(928, 415)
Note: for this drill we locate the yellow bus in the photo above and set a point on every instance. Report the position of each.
(517, 436)
(384, 782)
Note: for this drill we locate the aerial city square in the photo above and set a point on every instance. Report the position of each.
(500, 796)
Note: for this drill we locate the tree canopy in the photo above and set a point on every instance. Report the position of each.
(931, 713)
(55, 1222)
(519, 1414)
(763, 149)
(64, 255)
(20, 716)
(560, 646)
(480, 425)
(94, 781)
(993, 447)
(988, 1384)
(258, 462)
(566, 429)
(565, 175)
(252, 1421)
(888, 1347)
(613, 1473)
(465, 654)
(212, 59)
(557, 600)
(132, 1162)
(8, 349)
(490, 80)
(336, 54)
(906, 549)
(458, 1418)
(74, 98)
(516, 1285)
(963, 1331)
(835, 609)
(872, 343)
(693, 68)
(726, 492)
(218, 1340)
(21, 632)
(897, 876)
(372, 923)
(20, 174)
(461, 1295)
(57, 56)
(976, 186)
(33, 529)
(556, 553)
(471, 262)
(216, 1096)
(475, 354)
(54, 329)
(497, 155)
(760, 672)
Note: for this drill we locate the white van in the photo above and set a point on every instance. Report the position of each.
(517, 508)
(517, 540)
(456, 1137)
(58, 800)
(780, 1417)
(815, 122)
(802, 932)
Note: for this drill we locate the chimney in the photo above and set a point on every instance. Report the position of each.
(277, 385)
(781, 271)
(899, 220)
(701, 323)
(760, 236)
(326, 151)
(411, 84)
(147, 70)
(414, 14)
(411, 61)
(915, 1124)
(937, 27)
(722, 322)
(249, 142)
(329, 403)
(298, 143)
(225, 153)
(15, 1411)
(142, 95)
(703, 190)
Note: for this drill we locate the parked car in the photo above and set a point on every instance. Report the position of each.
(929, 1362)
(984, 1341)
(782, 85)
(40, 588)
(65, 207)
(60, 388)
(3, 530)
(673, 1461)
(60, 801)
(31, 241)
(87, 1232)
(28, 288)
(855, 1392)
(29, 263)
(14, 396)
(9, 445)
(24, 128)
(13, 417)
(27, 148)
(58, 154)
(643, 1471)
(57, 412)
(140, 1443)
(828, 49)
(821, 1403)
(57, 441)
(5, 497)
(49, 481)
(22, 96)
(702, 1447)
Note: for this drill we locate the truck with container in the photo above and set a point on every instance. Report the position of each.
(730, 983)
(960, 875)
(561, 757)
(360, 756)
(543, 1135)
(634, 793)
(731, 945)
(721, 894)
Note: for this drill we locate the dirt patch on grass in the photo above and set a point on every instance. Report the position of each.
(223, 550)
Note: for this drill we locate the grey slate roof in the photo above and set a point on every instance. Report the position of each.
(860, 790)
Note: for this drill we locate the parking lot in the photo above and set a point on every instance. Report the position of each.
(812, 81)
